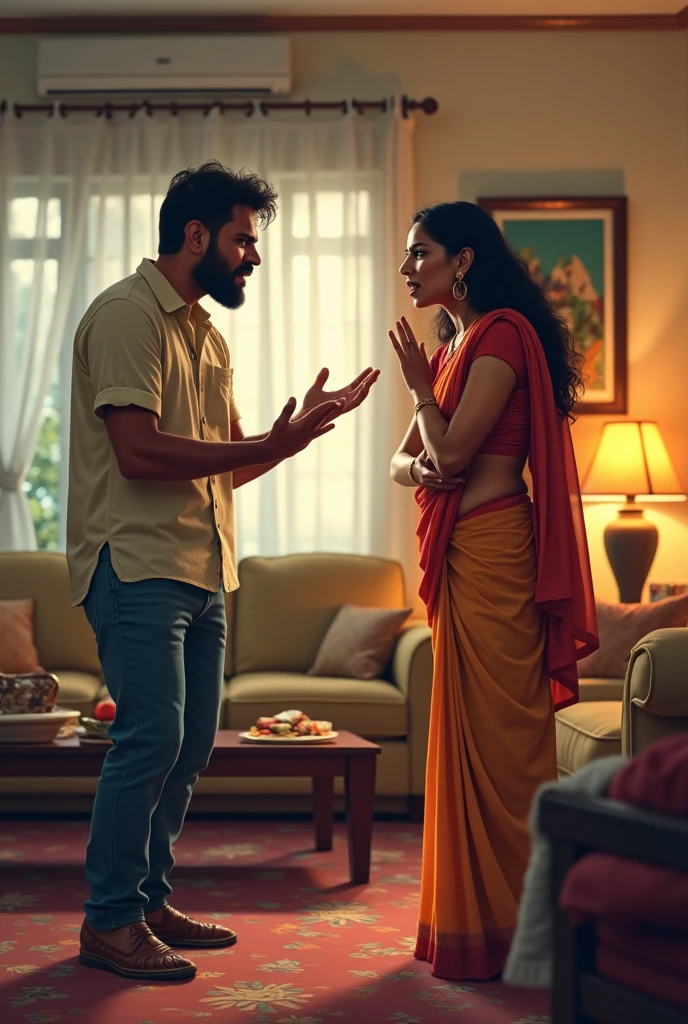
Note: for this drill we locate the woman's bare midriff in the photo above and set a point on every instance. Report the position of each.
(490, 477)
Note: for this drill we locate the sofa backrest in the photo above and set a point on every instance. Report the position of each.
(62, 634)
(284, 606)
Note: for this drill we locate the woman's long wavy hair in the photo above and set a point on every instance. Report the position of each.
(499, 279)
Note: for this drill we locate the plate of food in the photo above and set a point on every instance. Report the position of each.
(38, 727)
(289, 727)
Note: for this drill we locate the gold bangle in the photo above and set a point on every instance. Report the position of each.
(424, 401)
(410, 470)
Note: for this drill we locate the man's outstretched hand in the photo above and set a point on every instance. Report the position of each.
(349, 397)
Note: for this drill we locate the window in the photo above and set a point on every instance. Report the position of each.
(310, 305)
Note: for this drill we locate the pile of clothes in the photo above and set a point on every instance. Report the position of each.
(640, 911)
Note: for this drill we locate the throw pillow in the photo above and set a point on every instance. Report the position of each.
(17, 650)
(622, 626)
(359, 643)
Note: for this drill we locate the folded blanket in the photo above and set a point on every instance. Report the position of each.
(604, 885)
(530, 957)
(655, 947)
(656, 778)
(651, 981)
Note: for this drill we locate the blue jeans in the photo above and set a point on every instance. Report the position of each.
(161, 644)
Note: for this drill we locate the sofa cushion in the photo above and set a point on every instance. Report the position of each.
(359, 642)
(622, 626)
(61, 633)
(594, 688)
(78, 691)
(17, 650)
(285, 605)
(371, 708)
(587, 731)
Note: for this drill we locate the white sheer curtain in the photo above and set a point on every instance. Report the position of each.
(44, 190)
(80, 200)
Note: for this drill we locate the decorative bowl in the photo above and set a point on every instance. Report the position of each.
(27, 693)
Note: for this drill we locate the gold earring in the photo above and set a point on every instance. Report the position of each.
(459, 291)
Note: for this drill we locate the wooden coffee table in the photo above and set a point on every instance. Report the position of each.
(348, 756)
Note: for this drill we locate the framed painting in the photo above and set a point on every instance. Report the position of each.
(576, 249)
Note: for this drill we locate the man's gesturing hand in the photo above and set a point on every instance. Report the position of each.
(348, 397)
(289, 436)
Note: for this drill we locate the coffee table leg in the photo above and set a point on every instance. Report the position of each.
(323, 810)
(360, 800)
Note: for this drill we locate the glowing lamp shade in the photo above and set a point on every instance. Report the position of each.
(631, 462)
(631, 465)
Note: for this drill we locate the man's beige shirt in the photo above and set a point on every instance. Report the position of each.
(137, 345)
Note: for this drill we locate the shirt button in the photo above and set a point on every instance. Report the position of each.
(202, 387)
(215, 504)
(202, 419)
(212, 479)
(193, 354)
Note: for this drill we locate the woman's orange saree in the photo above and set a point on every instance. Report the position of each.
(510, 601)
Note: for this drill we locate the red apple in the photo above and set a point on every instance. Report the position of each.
(104, 710)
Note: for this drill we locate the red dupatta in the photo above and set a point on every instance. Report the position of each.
(564, 590)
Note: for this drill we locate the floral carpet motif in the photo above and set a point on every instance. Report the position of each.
(312, 948)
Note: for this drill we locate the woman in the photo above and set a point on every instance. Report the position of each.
(506, 582)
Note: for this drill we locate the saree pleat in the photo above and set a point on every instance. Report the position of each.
(491, 742)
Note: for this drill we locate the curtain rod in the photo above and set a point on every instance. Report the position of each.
(249, 108)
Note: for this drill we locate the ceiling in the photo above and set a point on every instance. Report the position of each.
(66, 8)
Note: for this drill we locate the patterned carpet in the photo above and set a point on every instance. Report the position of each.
(312, 949)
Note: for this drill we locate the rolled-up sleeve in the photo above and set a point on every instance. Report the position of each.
(123, 352)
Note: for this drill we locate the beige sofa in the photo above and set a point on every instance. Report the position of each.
(276, 621)
(616, 716)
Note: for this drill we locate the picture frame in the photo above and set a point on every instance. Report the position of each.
(577, 249)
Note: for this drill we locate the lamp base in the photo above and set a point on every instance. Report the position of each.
(630, 542)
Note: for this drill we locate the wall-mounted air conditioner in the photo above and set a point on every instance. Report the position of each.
(164, 64)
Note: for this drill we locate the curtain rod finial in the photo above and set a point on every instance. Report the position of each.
(429, 105)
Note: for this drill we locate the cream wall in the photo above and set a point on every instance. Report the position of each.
(601, 107)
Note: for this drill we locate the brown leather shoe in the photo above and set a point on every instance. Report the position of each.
(176, 929)
(149, 959)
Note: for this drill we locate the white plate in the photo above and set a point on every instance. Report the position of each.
(291, 740)
(36, 728)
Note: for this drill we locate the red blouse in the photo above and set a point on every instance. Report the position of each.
(511, 433)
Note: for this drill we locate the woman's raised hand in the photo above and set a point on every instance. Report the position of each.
(413, 360)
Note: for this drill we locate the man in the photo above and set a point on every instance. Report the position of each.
(156, 451)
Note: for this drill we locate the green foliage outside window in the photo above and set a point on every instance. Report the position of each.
(42, 483)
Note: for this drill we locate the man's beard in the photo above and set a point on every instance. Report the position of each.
(213, 274)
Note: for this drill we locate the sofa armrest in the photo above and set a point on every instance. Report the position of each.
(655, 700)
(412, 673)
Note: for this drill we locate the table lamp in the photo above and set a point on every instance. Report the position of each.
(631, 465)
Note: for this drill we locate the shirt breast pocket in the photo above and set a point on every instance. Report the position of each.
(218, 400)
